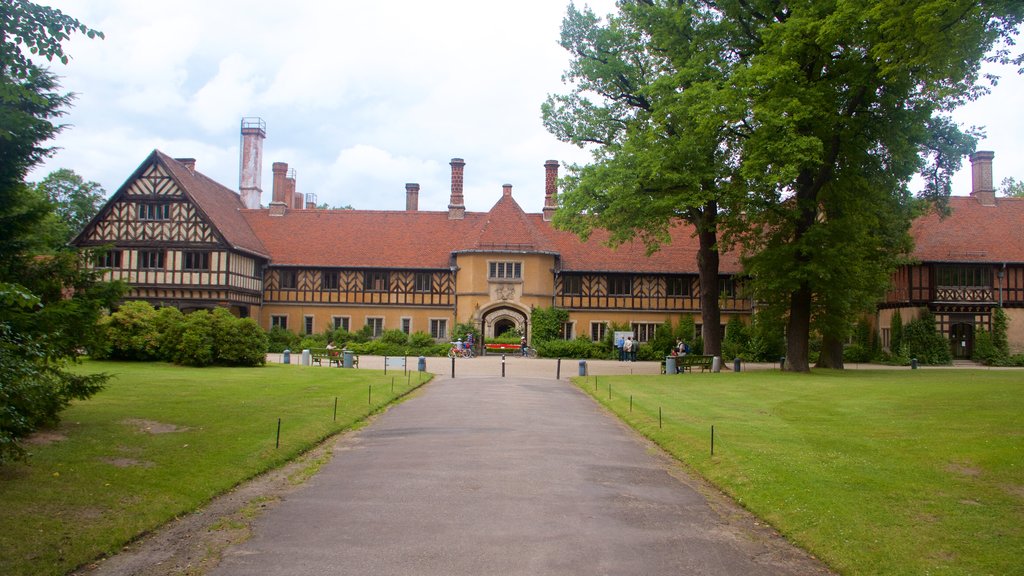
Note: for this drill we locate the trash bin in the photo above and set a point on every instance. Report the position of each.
(716, 364)
(583, 367)
(286, 359)
(735, 364)
(670, 365)
(306, 359)
(346, 358)
(421, 364)
(913, 363)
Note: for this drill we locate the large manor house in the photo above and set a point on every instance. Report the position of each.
(181, 239)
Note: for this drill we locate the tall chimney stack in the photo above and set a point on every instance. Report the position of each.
(298, 200)
(981, 177)
(250, 169)
(506, 190)
(457, 206)
(412, 197)
(280, 194)
(550, 189)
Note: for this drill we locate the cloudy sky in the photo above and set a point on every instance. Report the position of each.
(358, 97)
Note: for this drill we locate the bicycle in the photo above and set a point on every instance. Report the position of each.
(455, 352)
(531, 352)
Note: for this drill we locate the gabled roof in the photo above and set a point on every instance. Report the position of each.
(507, 227)
(218, 205)
(972, 233)
(221, 205)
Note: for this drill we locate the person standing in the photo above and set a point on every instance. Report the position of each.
(522, 346)
(619, 343)
(627, 349)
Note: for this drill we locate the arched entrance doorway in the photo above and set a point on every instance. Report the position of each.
(497, 321)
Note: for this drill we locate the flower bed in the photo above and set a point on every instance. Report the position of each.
(502, 347)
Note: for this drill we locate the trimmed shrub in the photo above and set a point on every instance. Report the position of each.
(195, 347)
(281, 339)
(578, 348)
(245, 344)
(130, 333)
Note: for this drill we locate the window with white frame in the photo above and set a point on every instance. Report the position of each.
(644, 331)
(439, 328)
(376, 325)
(505, 270)
(279, 321)
(340, 322)
(568, 332)
(598, 330)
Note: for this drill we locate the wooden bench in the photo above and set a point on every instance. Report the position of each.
(689, 361)
(332, 356)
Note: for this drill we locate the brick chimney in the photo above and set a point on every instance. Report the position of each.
(298, 200)
(412, 197)
(250, 163)
(189, 163)
(550, 189)
(506, 190)
(281, 200)
(981, 177)
(457, 205)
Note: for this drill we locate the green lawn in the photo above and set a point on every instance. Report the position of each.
(875, 472)
(160, 441)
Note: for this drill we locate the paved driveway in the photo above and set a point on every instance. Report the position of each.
(485, 475)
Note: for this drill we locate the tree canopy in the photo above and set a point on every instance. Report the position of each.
(796, 125)
(49, 303)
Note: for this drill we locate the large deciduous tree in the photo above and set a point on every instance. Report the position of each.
(847, 101)
(799, 125)
(74, 200)
(653, 102)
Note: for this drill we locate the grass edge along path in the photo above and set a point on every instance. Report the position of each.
(874, 472)
(161, 441)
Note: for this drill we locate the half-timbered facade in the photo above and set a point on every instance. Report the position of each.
(180, 239)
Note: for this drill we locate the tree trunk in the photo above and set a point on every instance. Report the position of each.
(831, 353)
(798, 330)
(707, 267)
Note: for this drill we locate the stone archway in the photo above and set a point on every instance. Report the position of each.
(495, 321)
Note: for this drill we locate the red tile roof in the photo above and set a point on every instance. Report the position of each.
(972, 233)
(424, 239)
